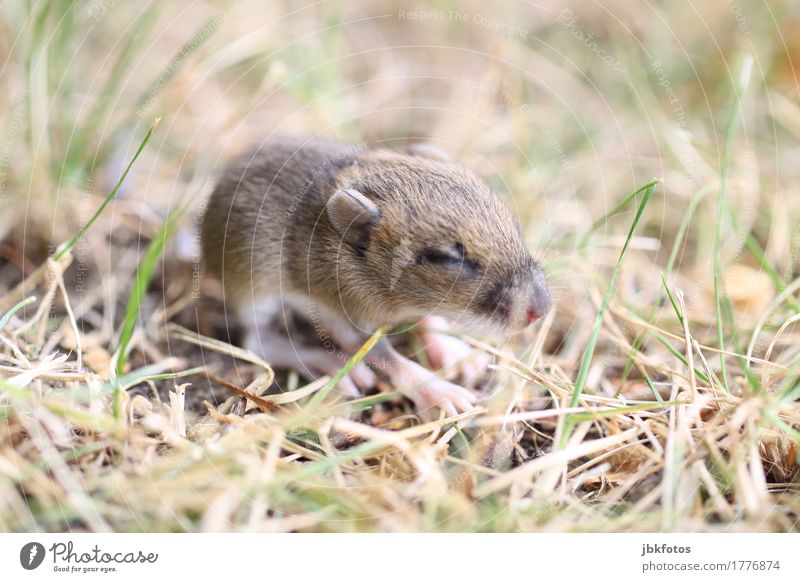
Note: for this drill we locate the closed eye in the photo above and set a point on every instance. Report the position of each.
(449, 257)
(441, 257)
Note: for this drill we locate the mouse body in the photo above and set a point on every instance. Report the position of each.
(355, 238)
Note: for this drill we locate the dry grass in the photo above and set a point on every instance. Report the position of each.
(686, 415)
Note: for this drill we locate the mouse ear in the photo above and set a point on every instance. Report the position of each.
(426, 150)
(353, 215)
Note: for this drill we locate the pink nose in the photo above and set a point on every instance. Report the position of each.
(540, 301)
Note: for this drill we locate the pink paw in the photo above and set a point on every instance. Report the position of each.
(456, 358)
(360, 378)
(429, 392)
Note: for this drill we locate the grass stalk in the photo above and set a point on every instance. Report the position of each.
(586, 361)
(317, 399)
(67, 246)
(10, 313)
(733, 124)
(143, 275)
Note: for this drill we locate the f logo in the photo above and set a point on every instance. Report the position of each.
(31, 555)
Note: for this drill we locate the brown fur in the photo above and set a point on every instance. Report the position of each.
(266, 232)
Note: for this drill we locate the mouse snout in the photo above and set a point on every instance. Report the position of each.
(540, 301)
(527, 300)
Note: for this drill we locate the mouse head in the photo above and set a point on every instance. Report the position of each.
(420, 237)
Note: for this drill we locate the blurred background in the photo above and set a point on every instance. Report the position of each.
(565, 108)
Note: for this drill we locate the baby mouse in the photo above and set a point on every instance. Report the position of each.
(353, 239)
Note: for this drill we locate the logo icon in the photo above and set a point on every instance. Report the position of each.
(31, 555)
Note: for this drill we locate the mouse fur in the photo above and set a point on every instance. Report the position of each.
(438, 241)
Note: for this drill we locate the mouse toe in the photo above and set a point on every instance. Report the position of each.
(455, 357)
(428, 391)
(363, 376)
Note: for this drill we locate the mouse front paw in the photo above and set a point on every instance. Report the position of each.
(456, 358)
(429, 392)
(360, 378)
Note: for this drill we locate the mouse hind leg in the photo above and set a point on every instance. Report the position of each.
(420, 385)
(425, 388)
(263, 336)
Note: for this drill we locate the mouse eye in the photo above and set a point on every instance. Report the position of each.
(444, 257)
(452, 256)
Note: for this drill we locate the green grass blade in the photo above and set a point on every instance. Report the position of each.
(733, 123)
(697, 371)
(89, 129)
(639, 340)
(67, 246)
(755, 249)
(130, 380)
(789, 384)
(8, 314)
(672, 300)
(778, 423)
(595, 414)
(617, 208)
(143, 275)
(580, 382)
(351, 363)
(369, 401)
